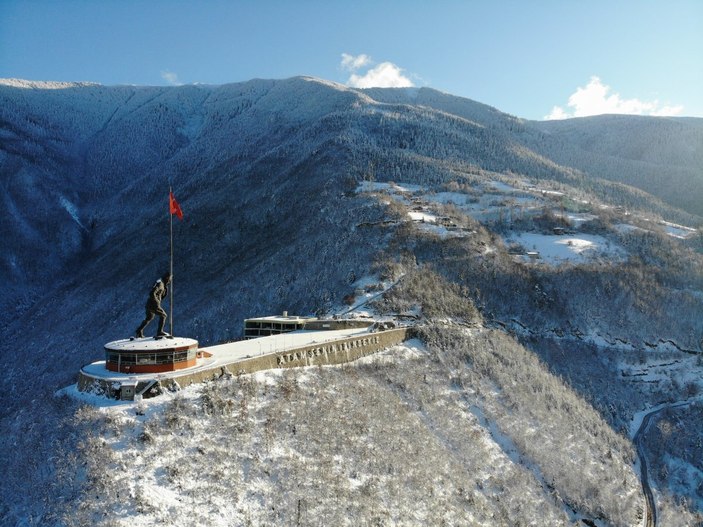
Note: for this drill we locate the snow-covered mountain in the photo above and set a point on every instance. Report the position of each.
(77, 158)
(661, 156)
(290, 195)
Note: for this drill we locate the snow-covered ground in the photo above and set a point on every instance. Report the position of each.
(678, 231)
(266, 448)
(498, 201)
(555, 249)
(223, 145)
(378, 186)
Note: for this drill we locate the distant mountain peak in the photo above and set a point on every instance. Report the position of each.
(324, 82)
(44, 85)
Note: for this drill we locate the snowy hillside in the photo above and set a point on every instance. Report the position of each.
(311, 197)
(400, 438)
(662, 156)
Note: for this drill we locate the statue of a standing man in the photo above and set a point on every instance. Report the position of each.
(153, 306)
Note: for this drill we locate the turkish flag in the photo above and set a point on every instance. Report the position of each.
(174, 207)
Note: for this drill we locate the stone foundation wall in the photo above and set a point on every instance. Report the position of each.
(335, 352)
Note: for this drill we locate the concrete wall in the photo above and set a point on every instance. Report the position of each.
(332, 324)
(335, 352)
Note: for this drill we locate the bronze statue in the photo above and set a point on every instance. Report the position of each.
(153, 306)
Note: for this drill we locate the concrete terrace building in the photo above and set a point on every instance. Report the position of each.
(274, 325)
(147, 355)
(148, 367)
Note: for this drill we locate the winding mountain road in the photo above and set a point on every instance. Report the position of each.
(651, 512)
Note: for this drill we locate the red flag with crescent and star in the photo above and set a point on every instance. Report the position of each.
(174, 206)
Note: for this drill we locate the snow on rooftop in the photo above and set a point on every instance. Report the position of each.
(149, 344)
(422, 216)
(281, 318)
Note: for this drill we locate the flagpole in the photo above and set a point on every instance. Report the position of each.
(170, 215)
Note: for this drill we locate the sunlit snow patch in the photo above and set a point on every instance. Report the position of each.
(626, 228)
(556, 249)
(502, 187)
(579, 218)
(408, 187)
(373, 186)
(678, 231)
(453, 198)
(379, 186)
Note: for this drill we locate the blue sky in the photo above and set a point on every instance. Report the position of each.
(531, 58)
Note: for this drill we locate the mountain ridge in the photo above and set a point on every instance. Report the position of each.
(294, 192)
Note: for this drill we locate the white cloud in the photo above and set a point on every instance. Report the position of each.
(171, 78)
(668, 111)
(595, 99)
(383, 75)
(557, 113)
(352, 63)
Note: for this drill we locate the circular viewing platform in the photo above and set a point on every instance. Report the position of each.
(150, 355)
